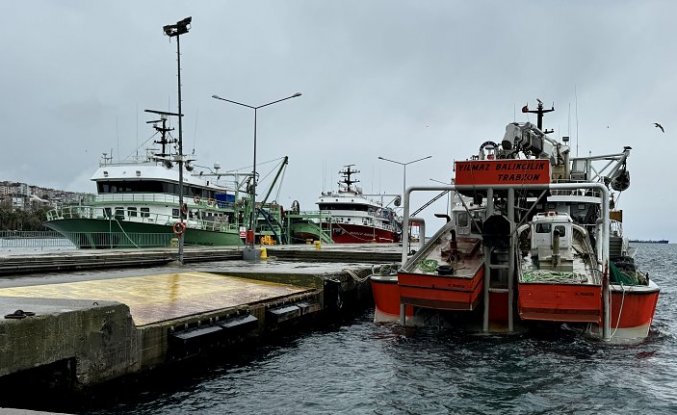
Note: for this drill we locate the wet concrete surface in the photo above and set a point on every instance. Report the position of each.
(162, 297)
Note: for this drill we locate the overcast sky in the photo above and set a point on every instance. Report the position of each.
(397, 79)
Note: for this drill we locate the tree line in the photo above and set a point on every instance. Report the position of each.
(21, 220)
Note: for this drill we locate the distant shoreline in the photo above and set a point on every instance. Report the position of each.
(642, 241)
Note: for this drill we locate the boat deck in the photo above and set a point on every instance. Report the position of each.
(580, 273)
(465, 263)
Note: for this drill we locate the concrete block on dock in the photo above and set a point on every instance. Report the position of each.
(96, 336)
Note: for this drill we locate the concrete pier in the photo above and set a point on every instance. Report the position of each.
(93, 327)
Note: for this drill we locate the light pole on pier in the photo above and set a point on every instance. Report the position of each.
(253, 212)
(176, 30)
(404, 165)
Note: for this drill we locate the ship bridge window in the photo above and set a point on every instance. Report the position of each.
(543, 228)
(145, 212)
(152, 186)
(119, 213)
(131, 211)
(561, 230)
(344, 206)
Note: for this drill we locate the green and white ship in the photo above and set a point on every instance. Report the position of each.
(137, 205)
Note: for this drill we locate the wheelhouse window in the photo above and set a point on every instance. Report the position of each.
(131, 212)
(175, 213)
(119, 213)
(543, 228)
(150, 186)
(344, 206)
(561, 230)
(145, 212)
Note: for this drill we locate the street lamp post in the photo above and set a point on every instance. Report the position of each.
(404, 165)
(176, 30)
(253, 213)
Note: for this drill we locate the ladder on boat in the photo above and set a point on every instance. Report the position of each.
(500, 263)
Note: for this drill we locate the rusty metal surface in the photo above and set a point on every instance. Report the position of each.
(162, 297)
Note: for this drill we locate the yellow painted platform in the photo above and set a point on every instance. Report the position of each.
(156, 298)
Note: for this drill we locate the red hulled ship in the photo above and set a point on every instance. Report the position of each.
(535, 237)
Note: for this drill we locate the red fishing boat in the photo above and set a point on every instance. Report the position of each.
(558, 277)
(351, 216)
(535, 245)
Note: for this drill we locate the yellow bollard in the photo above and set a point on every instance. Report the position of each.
(264, 253)
(318, 245)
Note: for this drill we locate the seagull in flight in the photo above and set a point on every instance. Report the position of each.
(659, 126)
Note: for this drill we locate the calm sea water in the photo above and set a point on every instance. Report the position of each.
(358, 367)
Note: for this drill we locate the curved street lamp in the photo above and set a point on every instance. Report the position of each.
(254, 213)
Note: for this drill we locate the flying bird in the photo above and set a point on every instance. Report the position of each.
(659, 126)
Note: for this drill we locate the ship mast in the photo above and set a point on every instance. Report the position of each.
(347, 180)
(163, 130)
(539, 111)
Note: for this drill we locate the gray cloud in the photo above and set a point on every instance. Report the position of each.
(399, 79)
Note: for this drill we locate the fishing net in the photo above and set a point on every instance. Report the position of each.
(620, 277)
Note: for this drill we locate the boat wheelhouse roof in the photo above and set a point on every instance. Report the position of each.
(153, 172)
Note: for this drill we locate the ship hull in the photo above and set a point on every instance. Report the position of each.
(442, 292)
(304, 232)
(632, 310)
(352, 234)
(386, 293)
(571, 303)
(101, 234)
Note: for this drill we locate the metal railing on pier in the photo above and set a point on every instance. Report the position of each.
(34, 240)
(50, 240)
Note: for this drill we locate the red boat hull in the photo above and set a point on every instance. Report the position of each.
(498, 308)
(386, 295)
(632, 310)
(442, 292)
(352, 234)
(567, 303)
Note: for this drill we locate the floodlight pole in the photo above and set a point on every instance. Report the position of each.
(253, 212)
(176, 30)
(405, 244)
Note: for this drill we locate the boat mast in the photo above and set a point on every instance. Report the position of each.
(347, 178)
(539, 111)
(163, 130)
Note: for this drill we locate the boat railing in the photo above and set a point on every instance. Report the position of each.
(160, 198)
(100, 213)
(576, 192)
(137, 197)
